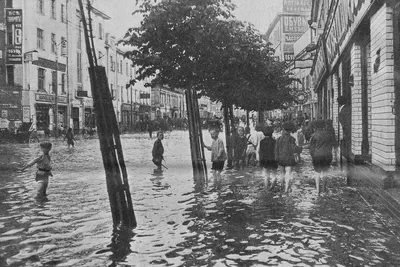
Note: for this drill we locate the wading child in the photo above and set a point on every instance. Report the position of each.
(285, 148)
(70, 138)
(43, 170)
(239, 143)
(321, 144)
(158, 151)
(218, 155)
(267, 158)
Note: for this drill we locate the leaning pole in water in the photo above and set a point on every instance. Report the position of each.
(195, 137)
(110, 143)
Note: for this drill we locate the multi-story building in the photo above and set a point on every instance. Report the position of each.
(44, 65)
(167, 103)
(358, 57)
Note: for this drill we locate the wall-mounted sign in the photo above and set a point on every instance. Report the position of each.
(144, 95)
(26, 113)
(294, 24)
(51, 98)
(14, 36)
(297, 6)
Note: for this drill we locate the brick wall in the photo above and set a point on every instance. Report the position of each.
(356, 116)
(382, 90)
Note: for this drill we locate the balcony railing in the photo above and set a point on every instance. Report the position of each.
(81, 93)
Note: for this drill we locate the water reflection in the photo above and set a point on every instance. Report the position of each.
(181, 220)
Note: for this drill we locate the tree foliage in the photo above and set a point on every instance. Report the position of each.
(199, 44)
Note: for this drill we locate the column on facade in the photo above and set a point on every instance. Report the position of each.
(382, 89)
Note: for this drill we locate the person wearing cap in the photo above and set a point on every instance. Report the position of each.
(321, 145)
(285, 148)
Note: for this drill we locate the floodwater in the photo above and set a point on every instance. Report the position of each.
(178, 224)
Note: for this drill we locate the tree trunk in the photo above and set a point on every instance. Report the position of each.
(227, 135)
(247, 118)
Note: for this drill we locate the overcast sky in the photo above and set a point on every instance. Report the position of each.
(258, 12)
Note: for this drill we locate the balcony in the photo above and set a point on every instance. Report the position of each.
(81, 93)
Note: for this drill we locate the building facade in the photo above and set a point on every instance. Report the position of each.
(357, 57)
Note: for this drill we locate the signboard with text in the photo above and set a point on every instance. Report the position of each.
(296, 6)
(14, 36)
(51, 98)
(294, 24)
(292, 38)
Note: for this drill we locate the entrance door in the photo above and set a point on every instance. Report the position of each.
(346, 92)
(365, 46)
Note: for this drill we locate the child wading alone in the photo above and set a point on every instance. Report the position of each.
(285, 148)
(70, 138)
(158, 151)
(267, 158)
(218, 156)
(321, 144)
(239, 143)
(44, 169)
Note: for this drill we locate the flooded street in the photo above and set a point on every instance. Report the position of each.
(179, 225)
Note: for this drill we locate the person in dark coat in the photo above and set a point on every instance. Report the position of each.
(267, 157)
(158, 151)
(344, 118)
(285, 148)
(321, 144)
(239, 142)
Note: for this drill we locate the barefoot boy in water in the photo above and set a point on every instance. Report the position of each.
(218, 155)
(44, 169)
(158, 151)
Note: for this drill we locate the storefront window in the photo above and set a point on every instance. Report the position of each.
(41, 79)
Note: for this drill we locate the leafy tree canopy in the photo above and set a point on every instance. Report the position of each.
(199, 44)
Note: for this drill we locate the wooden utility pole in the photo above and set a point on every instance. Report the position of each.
(195, 136)
(109, 137)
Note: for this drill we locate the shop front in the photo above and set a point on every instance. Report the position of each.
(126, 116)
(44, 110)
(89, 116)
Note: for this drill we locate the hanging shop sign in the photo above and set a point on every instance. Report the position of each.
(14, 36)
(296, 6)
(294, 24)
(343, 21)
(319, 65)
(292, 38)
(288, 56)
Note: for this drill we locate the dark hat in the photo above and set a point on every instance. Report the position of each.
(319, 124)
(288, 126)
(268, 131)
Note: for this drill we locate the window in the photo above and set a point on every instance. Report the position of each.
(53, 44)
(100, 31)
(54, 81)
(63, 83)
(120, 66)
(40, 6)
(10, 75)
(53, 9)
(63, 13)
(41, 79)
(112, 91)
(127, 69)
(79, 66)
(112, 63)
(40, 39)
(63, 47)
(9, 3)
(122, 93)
(79, 39)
